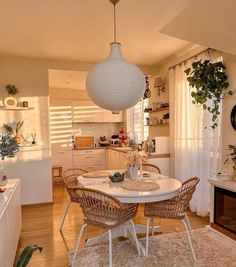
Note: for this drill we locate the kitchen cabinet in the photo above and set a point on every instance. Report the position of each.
(10, 222)
(107, 116)
(162, 163)
(90, 160)
(63, 158)
(86, 111)
(122, 160)
(113, 159)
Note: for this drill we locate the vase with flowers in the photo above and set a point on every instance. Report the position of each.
(8, 149)
(133, 163)
(231, 159)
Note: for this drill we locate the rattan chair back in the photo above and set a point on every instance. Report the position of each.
(103, 210)
(151, 168)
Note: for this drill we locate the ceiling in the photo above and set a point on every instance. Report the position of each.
(81, 30)
(67, 79)
(213, 25)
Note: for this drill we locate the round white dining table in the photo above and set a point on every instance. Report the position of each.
(168, 188)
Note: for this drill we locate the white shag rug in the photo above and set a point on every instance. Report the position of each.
(212, 249)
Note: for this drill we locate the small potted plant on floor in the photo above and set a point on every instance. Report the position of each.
(231, 159)
(8, 149)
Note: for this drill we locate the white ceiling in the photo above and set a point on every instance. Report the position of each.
(81, 30)
(210, 23)
(67, 79)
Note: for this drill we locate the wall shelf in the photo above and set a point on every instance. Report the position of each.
(16, 108)
(159, 124)
(157, 110)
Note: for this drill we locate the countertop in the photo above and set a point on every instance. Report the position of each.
(124, 150)
(228, 185)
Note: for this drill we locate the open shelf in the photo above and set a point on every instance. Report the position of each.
(159, 124)
(17, 108)
(157, 110)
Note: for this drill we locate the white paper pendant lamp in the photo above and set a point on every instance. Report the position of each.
(115, 84)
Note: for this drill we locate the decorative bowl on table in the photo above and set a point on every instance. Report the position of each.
(117, 177)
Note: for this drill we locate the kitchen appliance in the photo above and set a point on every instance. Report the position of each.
(84, 141)
(103, 141)
(115, 140)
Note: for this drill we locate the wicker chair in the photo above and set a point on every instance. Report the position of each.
(151, 168)
(174, 208)
(70, 180)
(104, 211)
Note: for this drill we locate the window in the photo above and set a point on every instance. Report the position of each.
(136, 120)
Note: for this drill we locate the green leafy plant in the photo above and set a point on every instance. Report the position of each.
(8, 147)
(210, 83)
(26, 255)
(11, 89)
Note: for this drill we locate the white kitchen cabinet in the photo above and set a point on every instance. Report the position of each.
(107, 116)
(86, 111)
(10, 222)
(162, 163)
(63, 158)
(90, 160)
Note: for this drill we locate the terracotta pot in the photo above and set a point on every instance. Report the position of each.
(18, 139)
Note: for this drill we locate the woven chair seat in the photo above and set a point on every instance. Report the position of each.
(103, 210)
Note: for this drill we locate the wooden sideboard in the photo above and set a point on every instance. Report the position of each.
(10, 222)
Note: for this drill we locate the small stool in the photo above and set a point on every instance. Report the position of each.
(57, 173)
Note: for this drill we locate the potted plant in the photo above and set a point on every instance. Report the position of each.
(210, 83)
(231, 159)
(10, 100)
(13, 129)
(8, 149)
(133, 163)
(26, 255)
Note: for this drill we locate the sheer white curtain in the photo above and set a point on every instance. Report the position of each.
(195, 149)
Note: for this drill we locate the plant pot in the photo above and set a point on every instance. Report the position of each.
(132, 172)
(9, 102)
(18, 139)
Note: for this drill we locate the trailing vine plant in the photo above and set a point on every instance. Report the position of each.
(210, 83)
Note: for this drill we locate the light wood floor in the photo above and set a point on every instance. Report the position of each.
(41, 227)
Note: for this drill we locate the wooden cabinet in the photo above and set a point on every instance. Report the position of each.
(86, 111)
(10, 222)
(63, 158)
(107, 116)
(90, 160)
(122, 160)
(113, 159)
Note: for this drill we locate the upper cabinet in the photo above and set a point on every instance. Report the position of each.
(109, 117)
(87, 111)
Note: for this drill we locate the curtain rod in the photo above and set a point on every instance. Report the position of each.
(208, 50)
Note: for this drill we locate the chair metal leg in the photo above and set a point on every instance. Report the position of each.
(65, 212)
(135, 237)
(152, 222)
(189, 239)
(78, 242)
(110, 248)
(147, 235)
(189, 225)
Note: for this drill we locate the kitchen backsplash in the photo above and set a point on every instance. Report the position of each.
(97, 129)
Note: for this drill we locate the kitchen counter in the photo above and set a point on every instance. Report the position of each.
(124, 150)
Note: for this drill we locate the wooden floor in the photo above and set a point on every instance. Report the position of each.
(41, 227)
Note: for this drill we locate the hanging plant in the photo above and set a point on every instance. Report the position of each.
(210, 83)
(147, 92)
(11, 89)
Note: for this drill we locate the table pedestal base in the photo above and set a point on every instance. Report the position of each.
(124, 231)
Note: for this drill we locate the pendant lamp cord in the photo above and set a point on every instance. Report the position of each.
(114, 22)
